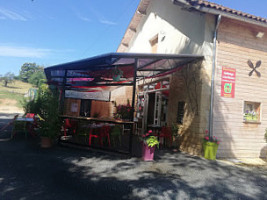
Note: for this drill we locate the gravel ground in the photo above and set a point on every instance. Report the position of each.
(29, 172)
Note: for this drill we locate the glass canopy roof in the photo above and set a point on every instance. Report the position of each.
(100, 71)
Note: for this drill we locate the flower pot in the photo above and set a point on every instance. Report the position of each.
(116, 77)
(148, 153)
(210, 150)
(46, 142)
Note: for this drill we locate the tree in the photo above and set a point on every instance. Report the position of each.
(37, 78)
(7, 78)
(28, 69)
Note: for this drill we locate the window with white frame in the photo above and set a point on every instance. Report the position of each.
(252, 111)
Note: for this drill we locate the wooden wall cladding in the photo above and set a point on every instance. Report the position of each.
(72, 107)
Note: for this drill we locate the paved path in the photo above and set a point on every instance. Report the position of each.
(28, 172)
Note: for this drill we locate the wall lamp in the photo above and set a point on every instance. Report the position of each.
(260, 34)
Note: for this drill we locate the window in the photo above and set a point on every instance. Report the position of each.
(85, 107)
(180, 112)
(252, 111)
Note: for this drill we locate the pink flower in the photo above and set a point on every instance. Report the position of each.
(150, 131)
(206, 131)
(147, 134)
(206, 138)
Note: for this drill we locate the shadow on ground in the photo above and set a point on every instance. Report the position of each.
(29, 172)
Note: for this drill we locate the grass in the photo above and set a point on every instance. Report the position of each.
(14, 91)
(14, 96)
(16, 87)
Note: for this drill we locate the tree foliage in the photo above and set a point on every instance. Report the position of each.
(7, 78)
(29, 69)
(37, 78)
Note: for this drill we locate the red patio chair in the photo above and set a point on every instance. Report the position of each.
(69, 124)
(166, 133)
(104, 132)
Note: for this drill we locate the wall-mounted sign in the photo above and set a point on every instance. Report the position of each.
(101, 96)
(254, 69)
(228, 82)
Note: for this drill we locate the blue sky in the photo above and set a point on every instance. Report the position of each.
(50, 32)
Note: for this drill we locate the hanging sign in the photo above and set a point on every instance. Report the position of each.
(101, 96)
(228, 82)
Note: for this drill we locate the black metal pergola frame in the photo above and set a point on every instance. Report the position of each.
(143, 65)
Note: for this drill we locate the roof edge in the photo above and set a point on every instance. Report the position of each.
(216, 9)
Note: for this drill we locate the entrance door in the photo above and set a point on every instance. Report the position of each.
(152, 108)
(155, 109)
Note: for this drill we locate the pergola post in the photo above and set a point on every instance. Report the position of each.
(63, 92)
(133, 103)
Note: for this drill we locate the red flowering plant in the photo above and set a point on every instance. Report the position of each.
(123, 111)
(149, 139)
(208, 138)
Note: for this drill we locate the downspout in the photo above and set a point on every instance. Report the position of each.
(212, 76)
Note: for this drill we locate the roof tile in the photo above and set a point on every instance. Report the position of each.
(208, 4)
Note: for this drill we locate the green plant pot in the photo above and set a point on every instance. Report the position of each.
(210, 150)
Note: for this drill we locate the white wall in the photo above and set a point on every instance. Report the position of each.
(179, 31)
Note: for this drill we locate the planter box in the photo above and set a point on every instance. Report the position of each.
(210, 150)
(148, 153)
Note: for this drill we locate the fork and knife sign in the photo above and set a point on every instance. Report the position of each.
(254, 69)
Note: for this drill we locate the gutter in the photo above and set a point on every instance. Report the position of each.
(195, 7)
(212, 76)
(232, 16)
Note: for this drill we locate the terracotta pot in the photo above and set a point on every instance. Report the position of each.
(46, 142)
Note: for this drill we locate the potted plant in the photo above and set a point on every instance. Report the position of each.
(49, 112)
(116, 74)
(124, 111)
(210, 146)
(149, 144)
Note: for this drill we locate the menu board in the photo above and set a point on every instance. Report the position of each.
(228, 82)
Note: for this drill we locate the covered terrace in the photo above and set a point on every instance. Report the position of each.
(95, 78)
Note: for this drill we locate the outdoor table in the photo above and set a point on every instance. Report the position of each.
(104, 120)
(100, 121)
